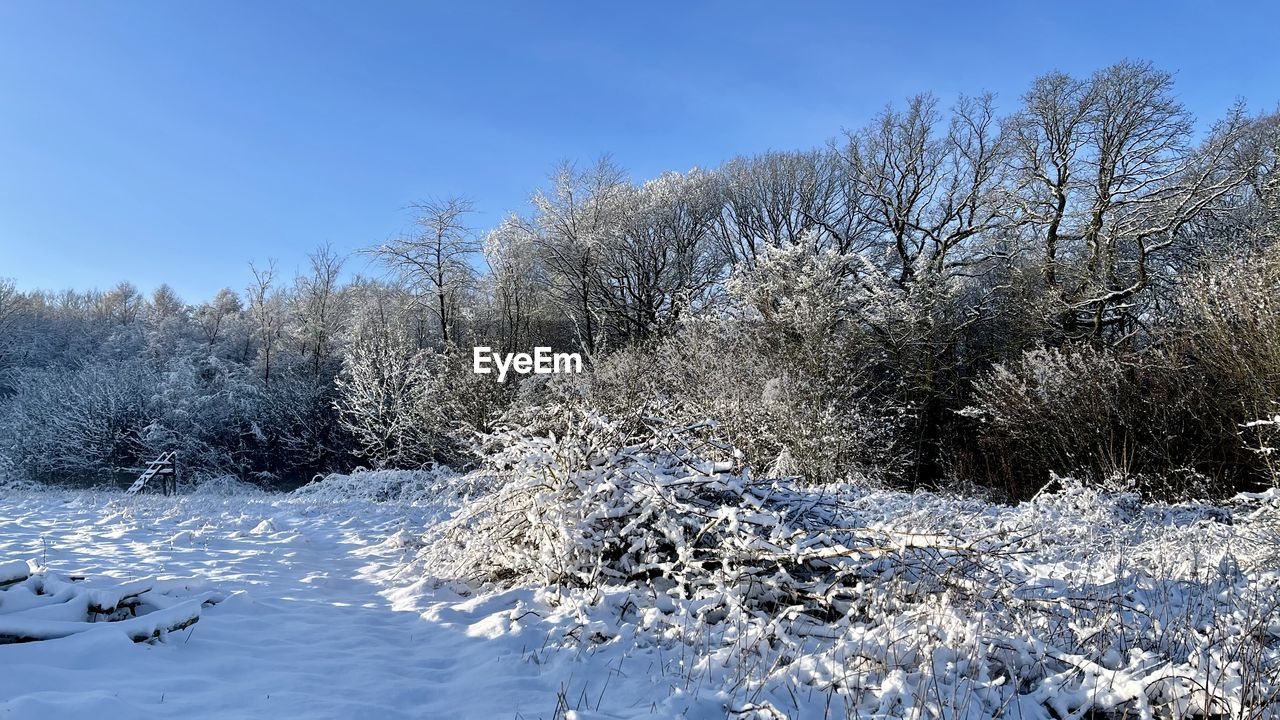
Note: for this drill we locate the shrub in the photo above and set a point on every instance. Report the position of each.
(390, 486)
(1058, 410)
(1227, 347)
(64, 422)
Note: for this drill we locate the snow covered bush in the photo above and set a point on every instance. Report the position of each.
(1230, 349)
(666, 506)
(598, 501)
(1061, 409)
(64, 422)
(393, 486)
(802, 292)
(1176, 416)
(209, 411)
(870, 361)
(393, 399)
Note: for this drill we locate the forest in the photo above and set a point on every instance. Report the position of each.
(983, 294)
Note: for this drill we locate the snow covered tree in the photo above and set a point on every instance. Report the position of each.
(521, 315)
(434, 261)
(392, 395)
(317, 310)
(575, 218)
(221, 325)
(266, 317)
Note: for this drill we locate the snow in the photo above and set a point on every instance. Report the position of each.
(13, 570)
(330, 612)
(306, 632)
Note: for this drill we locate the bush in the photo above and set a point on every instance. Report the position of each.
(667, 506)
(821, 416)
(598, 501)
(1058, 410)
(391, 486)
(87, 419)
(1227, 349)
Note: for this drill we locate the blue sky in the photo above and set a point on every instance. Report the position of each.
(177, 141)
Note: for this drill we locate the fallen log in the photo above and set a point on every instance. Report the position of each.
(38, 606)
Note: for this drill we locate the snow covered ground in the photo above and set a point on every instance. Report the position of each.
(309, 632)
(329, 616)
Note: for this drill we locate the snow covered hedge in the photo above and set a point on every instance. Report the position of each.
(871, 602)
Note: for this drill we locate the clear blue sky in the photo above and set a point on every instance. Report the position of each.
(178, 140)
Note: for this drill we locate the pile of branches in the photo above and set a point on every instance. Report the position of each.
(610, 502)
(36, 605)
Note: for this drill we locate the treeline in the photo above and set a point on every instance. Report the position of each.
(1086, 282)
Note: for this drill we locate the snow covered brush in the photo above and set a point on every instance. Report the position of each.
(611, 502)
(600, 502)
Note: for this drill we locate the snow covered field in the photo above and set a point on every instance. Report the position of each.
(309, 632)
(330, 616)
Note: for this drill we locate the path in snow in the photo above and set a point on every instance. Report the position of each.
(310, 635)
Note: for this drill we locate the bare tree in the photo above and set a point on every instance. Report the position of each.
(435, 260)
(316, 307)
(784, 198)
(661, 260)
(1047, 136)
(930, 195)
(266, 313)
(574, 220)
(1147, 184)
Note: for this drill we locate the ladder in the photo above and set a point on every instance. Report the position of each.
(166, 466)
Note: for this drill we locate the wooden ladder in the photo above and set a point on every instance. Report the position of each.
(166, 466)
